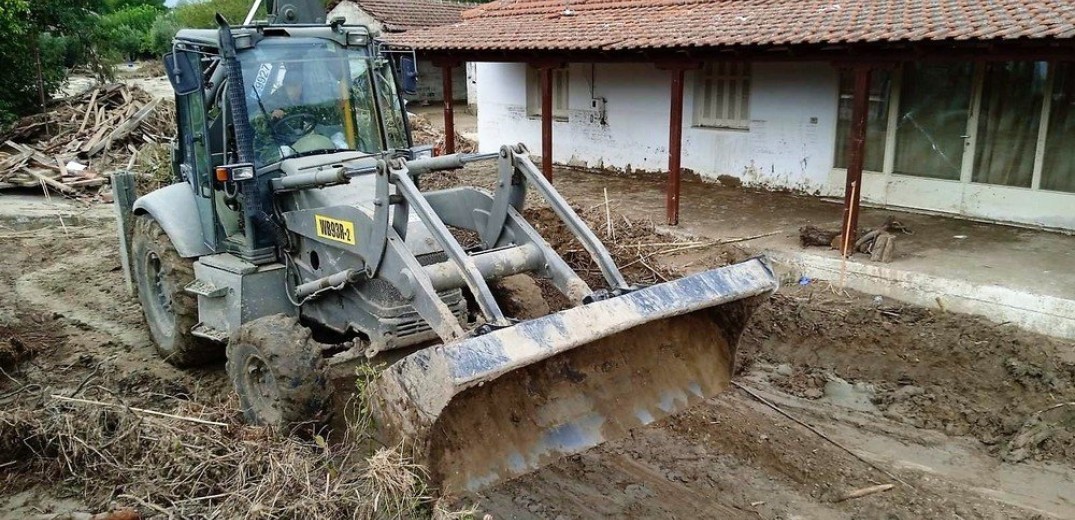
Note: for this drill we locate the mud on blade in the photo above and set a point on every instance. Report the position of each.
(500, 405)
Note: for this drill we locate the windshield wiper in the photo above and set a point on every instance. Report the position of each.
(323, 151)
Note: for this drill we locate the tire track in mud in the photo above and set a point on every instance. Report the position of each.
(734, 458)
(76, 288)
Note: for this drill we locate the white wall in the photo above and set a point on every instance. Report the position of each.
(356, 16)
(789, 143)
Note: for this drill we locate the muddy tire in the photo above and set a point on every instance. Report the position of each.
(161, 274)
(520, 297)
(278, 372)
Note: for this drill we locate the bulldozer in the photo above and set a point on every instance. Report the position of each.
(296, 237)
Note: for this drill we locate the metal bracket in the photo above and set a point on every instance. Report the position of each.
(574, 223)
(401, 177)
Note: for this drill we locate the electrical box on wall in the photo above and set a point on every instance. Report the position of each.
(597, 111)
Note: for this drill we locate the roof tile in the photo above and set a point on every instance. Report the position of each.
(641, 24)
(405, 15)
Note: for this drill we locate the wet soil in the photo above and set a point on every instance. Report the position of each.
(959, 374)
(933, 399)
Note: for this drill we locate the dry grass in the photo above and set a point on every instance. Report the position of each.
(153, 164)
(188, 468)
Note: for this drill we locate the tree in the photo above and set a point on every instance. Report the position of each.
(127, 29)
(38, 36)
(202, 14)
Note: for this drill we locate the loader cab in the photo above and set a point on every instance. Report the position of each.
(309, 96)
(308, 91)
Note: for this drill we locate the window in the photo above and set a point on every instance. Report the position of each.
(559, 93)
(876, 120)
(722, 95)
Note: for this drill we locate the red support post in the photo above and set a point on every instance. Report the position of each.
(675, 146)
(449, 110)
(856, 154)
(546, 122)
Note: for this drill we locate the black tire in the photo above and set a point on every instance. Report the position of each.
(519, 296)
(278, 372)
(161, 274)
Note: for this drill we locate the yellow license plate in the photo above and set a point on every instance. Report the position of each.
(338, 230)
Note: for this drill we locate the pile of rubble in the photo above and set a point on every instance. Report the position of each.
(71, 148)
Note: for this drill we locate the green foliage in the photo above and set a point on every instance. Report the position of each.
(42, 31)
(127, 30)
(161, 33)
(360, 416)
(201, 14)
(111, 6)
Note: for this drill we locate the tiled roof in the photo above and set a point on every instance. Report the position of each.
(405, 15)
(607, 25)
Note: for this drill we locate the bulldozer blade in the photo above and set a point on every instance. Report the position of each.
(496, 406)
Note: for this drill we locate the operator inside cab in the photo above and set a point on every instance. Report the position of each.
(299, 117)
(306, 96)
(289, 94)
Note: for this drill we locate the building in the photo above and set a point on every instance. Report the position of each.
(388, 17)
(967, 108)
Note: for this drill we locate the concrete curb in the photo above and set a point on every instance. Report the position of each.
(1039, 313)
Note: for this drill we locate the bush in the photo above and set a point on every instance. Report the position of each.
(202, 14)
(127, 31)
(159, 38)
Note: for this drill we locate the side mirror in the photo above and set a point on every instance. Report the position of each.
(409, 75)
(181, 74)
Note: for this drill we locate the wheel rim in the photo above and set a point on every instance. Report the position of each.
(159, 299)
(261, 392)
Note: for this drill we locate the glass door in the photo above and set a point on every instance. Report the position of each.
(1009, 117)
(931, 130)
(1058, 155)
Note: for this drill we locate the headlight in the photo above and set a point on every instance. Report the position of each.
(242, 173)
(357, 39)
(235, 172)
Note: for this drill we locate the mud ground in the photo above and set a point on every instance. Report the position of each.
(946, 405)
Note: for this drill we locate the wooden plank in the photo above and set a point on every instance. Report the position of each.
(52, 183)
(89, 110)
(87, 183)
(124, 129)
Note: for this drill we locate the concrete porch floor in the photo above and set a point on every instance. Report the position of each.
(1005, 273)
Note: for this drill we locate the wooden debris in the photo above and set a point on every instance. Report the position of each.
(815, 236)
(866, 491)
(101, 129)
(880, 243)
(423, 132)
